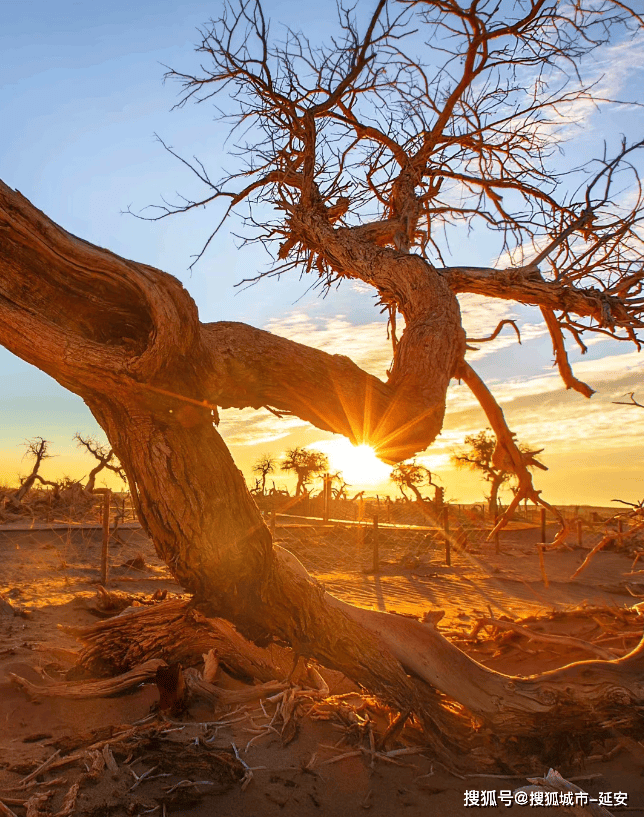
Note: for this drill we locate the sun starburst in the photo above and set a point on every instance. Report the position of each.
(358, 464)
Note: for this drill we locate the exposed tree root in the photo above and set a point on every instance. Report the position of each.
(543, 715)
(218, 696)
(504, 701)
(176, 633)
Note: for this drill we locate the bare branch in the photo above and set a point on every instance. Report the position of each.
(106, 460)
(507, 456)
(561, 356)
(364, 147)
(632, 402)
(495, 334)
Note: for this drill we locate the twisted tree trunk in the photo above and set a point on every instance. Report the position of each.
(127, 339)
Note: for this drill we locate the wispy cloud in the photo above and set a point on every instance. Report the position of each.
(482, 315)
(366, 344)
(606, 72)
(540, 410)
(602, 371)
(256, 427)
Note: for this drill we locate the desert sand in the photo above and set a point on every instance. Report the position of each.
(120, 756)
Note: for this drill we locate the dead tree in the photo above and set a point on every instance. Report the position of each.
(263, 466)
(340, 490)
(106, 460)
(423, 145)
(363, 124)
(412, 475)
(38, 448)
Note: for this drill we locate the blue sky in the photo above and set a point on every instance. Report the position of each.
(81, 98)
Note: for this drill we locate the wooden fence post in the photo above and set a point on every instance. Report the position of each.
(542, 565)
(580, 535)
(376, 544)
(497, 548)
(105, 549)
(273, 515)
(448, 548)
(325, 511)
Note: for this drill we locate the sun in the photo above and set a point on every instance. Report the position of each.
(358, 463)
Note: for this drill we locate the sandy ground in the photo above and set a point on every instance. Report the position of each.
(52, 576)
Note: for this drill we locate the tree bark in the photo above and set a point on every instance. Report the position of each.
(527, 285)
(433, 344)
(127, 339)
(251, 367)
(495, 484)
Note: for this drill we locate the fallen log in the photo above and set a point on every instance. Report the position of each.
(104, 688)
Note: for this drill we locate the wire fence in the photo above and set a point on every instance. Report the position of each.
(335, 535)
(359, 548)
(380, 535)
(401, 512)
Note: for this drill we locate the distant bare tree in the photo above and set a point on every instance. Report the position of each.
(264, 465)
(411, 475)
(39, 449)
(106, 460)
(339, 490)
